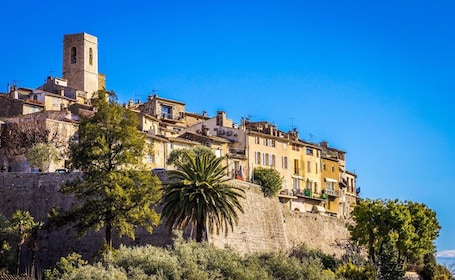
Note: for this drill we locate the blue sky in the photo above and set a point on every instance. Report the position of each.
(374, 78)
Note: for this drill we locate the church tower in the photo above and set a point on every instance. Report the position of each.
(80, 63)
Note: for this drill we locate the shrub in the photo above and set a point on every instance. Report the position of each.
(269, 179)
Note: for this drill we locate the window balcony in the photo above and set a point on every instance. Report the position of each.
(332, 192)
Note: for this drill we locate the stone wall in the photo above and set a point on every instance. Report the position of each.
(266, 225)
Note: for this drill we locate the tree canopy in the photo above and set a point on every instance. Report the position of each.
(41, 155)
(179, 154)
(200, 195)
(385, 227)
(115, 191)
(269, 179)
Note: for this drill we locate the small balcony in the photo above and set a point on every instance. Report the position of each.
(330, 192)
(307, 193)
(237, 153)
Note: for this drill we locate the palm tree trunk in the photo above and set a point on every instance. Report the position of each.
(199, 231)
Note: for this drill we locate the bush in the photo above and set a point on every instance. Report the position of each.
(269, 179)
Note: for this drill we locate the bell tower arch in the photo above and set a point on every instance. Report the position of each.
(80, 63)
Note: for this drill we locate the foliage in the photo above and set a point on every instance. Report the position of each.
(200, 195)
(18, 136)
(388, 265)
(353, 272)
(269, 179)
(180, 154)
(6, 251)
(66, 265)
(41, 155)
(190, 260)
(303, 252)
(433, 270)
(405, 228)
(115, 192)
(25, 229)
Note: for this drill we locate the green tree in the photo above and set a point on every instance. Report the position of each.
(41, 155)
(269, 179)
(6, 252)
(25, 230)
(200, 195)
(115, 191)
(387, 227)
(197, 150)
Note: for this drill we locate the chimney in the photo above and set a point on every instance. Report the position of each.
(205, 130)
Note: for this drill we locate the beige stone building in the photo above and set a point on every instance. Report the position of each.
(80, 63)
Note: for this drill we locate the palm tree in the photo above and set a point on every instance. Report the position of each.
(25, 227)
(200, 196)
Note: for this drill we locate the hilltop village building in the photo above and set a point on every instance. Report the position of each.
(315, 177)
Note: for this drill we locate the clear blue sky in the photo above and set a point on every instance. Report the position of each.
(374, 78)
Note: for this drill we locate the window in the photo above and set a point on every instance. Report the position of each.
(264, 141)
(257, 157)
(308, 166)
(271, 143)
(272, 160)
(55, 102)
(150, 158)
(257, 140)
(332, 168)
(285, 146)
(296, 166)
(316, 168)
(324, 166)
(73, 55)
(295, 147)
(166, 112)
(265, 159)
(284, 162)
(90, 56)
(296, 183)
(316, 190)
(309, 151)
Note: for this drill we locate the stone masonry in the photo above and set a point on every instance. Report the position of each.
(266, 225)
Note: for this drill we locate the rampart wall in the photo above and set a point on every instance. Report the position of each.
(265, 225)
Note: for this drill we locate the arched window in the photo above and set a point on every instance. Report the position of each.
(90, 56)
(73, 55)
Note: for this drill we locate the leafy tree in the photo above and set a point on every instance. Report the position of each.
(269, 179)
(41, 155)
(115, 192)
(433, 270)
(197, 150)
(200, 195)
(405, 229)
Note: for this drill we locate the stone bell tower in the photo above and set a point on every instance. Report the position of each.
(80, 63)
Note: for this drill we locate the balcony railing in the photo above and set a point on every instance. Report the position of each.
(240, 152)
(332, 192)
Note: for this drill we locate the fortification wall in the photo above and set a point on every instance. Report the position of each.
(266, 225)
(260, 227)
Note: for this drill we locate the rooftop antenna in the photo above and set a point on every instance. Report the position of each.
(292, 123)
(311, 137)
